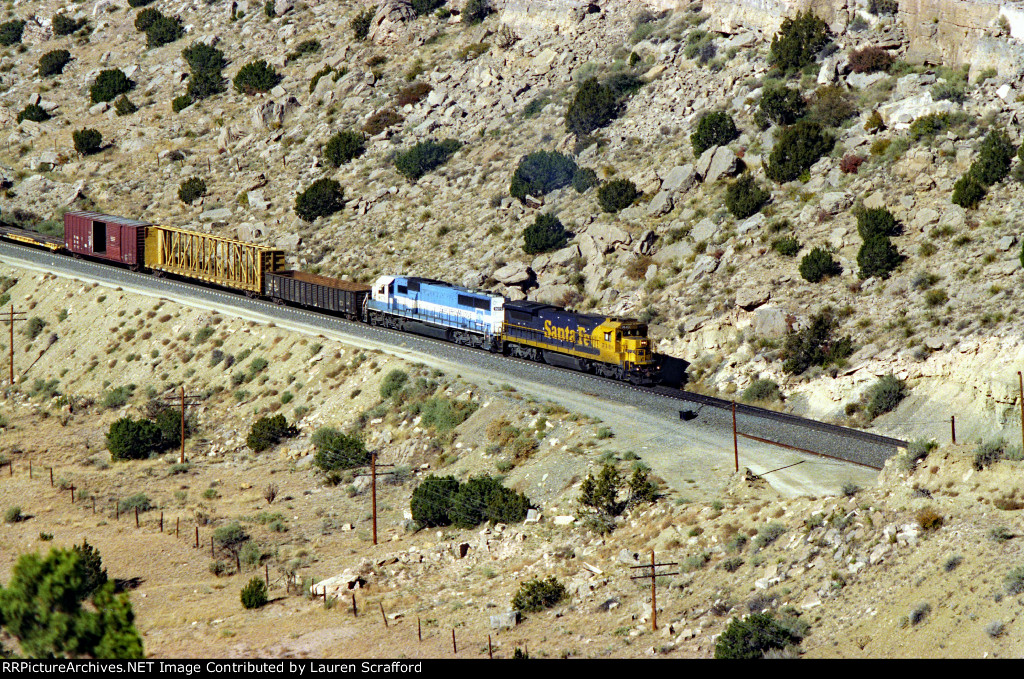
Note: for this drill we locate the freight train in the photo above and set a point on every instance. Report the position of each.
(617, 348)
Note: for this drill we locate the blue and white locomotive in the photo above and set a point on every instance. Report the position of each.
(427, 307)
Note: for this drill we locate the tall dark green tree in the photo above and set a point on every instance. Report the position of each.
(798, 40)
(42, 609)
(593, 107)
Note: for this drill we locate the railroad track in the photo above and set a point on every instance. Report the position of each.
(761, 424)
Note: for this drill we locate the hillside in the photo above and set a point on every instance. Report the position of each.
(918, 566)
(729, 199)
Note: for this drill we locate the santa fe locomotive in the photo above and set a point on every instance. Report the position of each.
(617, 348)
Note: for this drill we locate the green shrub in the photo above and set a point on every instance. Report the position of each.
(268, 431)
(310, 46)
(780, 105)
(602, 493)
(877, 222)
(360, 24)
(988, 453)
(115, 398)
(799, 39)
(431, 502)
(139, 3)
(762, 390)
(425, 157)
(256, 76)
(818, 264)
(641, 488)
(203, 84)
(769, 534)
(344, 147)
(870, 59)
(545, 234)
(831, 105)
(65, 25)
(536, 595)
(254, 594)
(751, 637)
(203, 58)
(786, 246)
(745, 198)
(11, 31)
(593, 107)
(145, 18)
(179, 104)
(954, 91)
(336, 451)
(617, 194)
(124, 106)
(412, 94)
(163, 31)
(381, 120)
(13, 515)
(483, 498)
(139, 501)
(323, 198)
(815, 344)
(968, 192)
(191, 190)
(108, 85)
(393, 383)
(884, 395)
(797, 148)
(878, 257)
(994, 157)
(584, 179)
(53, 62)
(476, 11)
(713, 129)
(94, 575)
(35, 113)
(425, 7)
(927, 127)
(883, 7)
(1014, 581)
(540, 173)
(315, 80)
(129, 439)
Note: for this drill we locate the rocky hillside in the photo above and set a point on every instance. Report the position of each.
(714, 286)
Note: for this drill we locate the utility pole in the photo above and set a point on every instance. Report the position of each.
(653, 575)
(373, 488)
(13, 316)
(184, 400)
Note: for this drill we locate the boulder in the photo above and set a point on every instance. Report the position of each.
(864, 80)
(272, 114)
(751, 297)
(1005, 243)
(900, 114)
(771, 322)
(660, 205)
(924, 218)
(505, 620)
(514, 274)
(723, 164)
(680, 178)
(551, 294)
(679, 250)
(704, 264)
(389, 23)
(216, 215)
(835, 202)
(705, 230)
(751, 223)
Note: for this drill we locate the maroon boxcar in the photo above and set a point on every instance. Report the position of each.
(116, 239)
